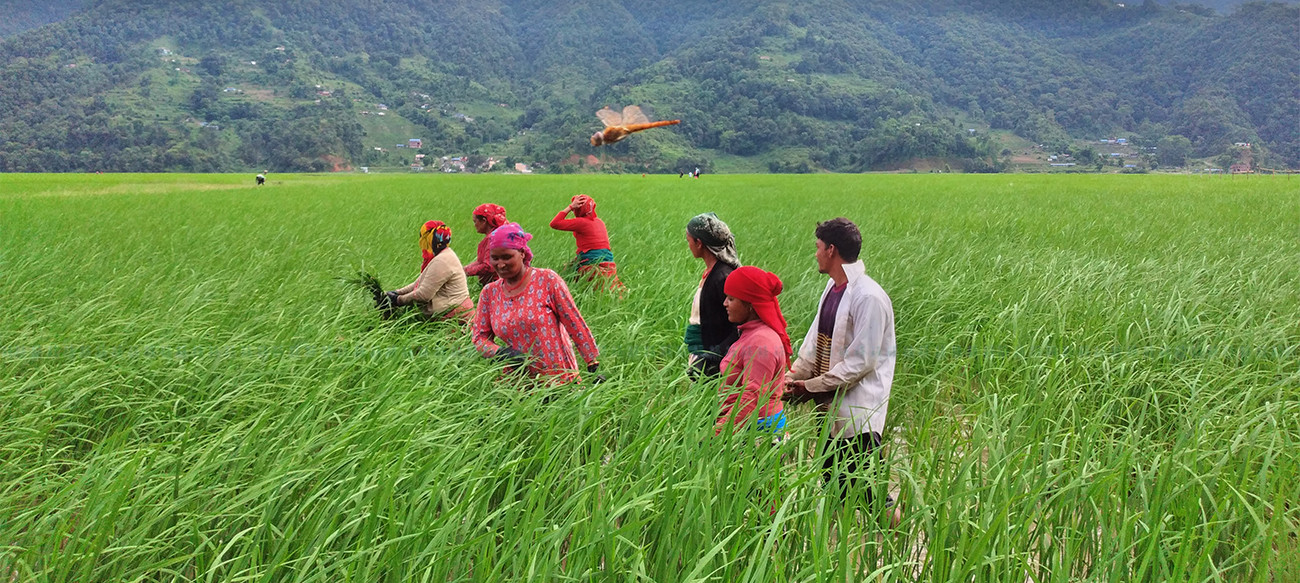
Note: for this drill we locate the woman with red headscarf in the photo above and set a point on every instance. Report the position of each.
(755, 364)
(531, 310)
(440, 291)
(486, 218)
(594, 255)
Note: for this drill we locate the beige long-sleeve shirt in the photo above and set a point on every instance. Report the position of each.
(440, 287)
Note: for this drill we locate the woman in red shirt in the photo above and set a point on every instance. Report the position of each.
(486, 218)
(531, 311)
(594, 255)
(755, 364)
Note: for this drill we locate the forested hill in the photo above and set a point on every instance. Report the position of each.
(20, 15)
(1220, 6)
(153, 85)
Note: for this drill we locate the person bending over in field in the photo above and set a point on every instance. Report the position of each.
(486, 217)
(531, 310)
(846, 362)
(755, 365)
(440, 290)
(708, 331)
(594, 254)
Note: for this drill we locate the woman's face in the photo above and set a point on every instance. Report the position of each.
(481, 225)
(697, 248)
(507, 263)
(738, 311)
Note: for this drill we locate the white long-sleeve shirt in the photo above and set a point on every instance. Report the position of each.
(862, 356)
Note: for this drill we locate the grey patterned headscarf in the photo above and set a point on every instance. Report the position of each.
(716, 236)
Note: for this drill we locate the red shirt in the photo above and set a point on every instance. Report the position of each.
(481, 266)
(588, 231)
(755, 369)
(542, 321)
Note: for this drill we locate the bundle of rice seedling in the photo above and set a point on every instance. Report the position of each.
(369, 282)
(366, 281)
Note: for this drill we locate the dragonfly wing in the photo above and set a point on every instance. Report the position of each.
(633, 115)
(609, 117)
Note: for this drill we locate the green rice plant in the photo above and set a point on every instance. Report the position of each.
(1098, 380)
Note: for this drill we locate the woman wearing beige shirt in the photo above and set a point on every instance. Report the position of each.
(440, 291)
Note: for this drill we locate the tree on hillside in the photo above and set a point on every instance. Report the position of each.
(1173, 150)
(213, 64)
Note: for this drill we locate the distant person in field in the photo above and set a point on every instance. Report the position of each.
(846, 362)
(261, 179)
(709, 332)
(440, 291)
(594, 255)
(531, 310)
(486, 218)
(756, 363)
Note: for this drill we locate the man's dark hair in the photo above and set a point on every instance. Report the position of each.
(844, 235)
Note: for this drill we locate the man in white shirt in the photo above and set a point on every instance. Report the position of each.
(846, 362)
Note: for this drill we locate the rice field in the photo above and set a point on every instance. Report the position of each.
(1098, 380)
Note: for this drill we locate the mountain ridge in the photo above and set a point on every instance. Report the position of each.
(831, 86)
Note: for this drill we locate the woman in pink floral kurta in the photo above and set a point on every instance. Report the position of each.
(532, 312)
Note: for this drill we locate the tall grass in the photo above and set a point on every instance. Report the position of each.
(1097, 381)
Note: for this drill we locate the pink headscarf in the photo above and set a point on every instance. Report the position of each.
(511, 236)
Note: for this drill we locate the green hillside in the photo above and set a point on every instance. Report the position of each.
(759, 85)
(17, 16)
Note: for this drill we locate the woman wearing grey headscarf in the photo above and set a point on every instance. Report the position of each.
(708, 331)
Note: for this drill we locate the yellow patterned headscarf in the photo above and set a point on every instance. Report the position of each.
(434, 237)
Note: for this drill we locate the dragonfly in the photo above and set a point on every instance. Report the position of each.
(621, 125)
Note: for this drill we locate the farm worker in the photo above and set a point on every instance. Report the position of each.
(846, 362)
(486, 217)
(756, 364)
(708, 331)
(440, 290)
(261, 179)
(531, 310)
(594, 255)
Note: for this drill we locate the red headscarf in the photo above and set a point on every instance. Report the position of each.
(586, 206)
(494, 213)
(434, 237)
(760, 289)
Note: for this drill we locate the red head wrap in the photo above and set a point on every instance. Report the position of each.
(586, 206)
(434, 237)
(760, 289)
(494, 213)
